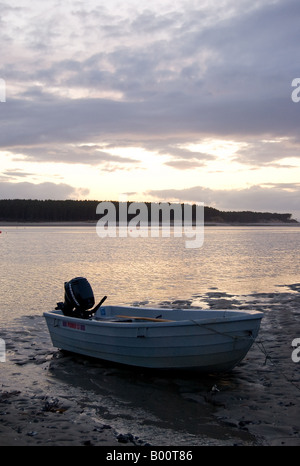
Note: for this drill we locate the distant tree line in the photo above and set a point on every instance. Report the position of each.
(23, 210)
(214, 215)
(27, 210)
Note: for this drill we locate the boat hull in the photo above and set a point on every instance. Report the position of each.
(207, 341)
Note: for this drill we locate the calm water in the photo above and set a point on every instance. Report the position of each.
(35, 262)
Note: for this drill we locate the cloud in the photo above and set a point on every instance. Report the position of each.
(83, 77)
(70, 153)
(269, 152)
(281, 198)
(15, 174)
(194, 77)
(182, 164)
(47, 190)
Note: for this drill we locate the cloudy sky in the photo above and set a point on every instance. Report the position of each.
(182, 100)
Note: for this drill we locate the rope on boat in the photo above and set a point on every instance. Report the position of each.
(260, 346)
(234, 337)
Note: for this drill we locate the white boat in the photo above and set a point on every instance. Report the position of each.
(209, 340)
(197, 339)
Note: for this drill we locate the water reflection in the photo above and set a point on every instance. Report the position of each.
(158, 407)
(237, 260)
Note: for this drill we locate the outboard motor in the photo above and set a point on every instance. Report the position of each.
(79, 298)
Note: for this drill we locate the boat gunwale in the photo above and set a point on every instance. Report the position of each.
(221, 319)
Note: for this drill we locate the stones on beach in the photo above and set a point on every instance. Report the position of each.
(294, 287)
(53, 406)
(5, 396)
(129, 438)
(125, 438)
(181, 303)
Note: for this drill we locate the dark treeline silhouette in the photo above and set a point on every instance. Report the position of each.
(23, 210)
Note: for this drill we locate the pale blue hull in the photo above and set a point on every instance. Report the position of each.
(204, 340)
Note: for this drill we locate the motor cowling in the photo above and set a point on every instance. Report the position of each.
(79, 297)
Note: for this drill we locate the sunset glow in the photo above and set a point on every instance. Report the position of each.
(175, 101)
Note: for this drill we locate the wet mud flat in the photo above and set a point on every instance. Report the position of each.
(49, 397)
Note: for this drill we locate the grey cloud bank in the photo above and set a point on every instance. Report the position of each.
(156, 77)
(255, 198)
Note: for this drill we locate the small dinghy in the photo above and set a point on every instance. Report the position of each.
(198, 339)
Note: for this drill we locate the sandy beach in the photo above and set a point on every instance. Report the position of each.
(52, 398)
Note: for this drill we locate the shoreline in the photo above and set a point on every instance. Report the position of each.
(94, 223)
